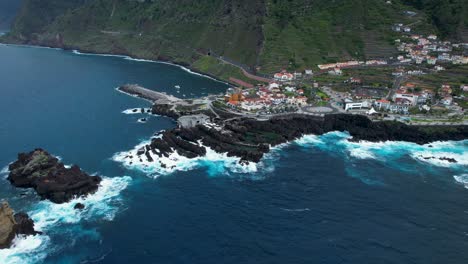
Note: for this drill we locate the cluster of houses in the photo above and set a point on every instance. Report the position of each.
(285, 76)
(280, 93)
(430, 50)
(405, 98)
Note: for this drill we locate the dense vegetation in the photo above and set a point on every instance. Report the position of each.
(270, 34)
(449, 16)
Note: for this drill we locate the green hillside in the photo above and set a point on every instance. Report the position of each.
(271, 34)
(450, 17)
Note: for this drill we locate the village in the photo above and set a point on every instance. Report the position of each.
(391, 88)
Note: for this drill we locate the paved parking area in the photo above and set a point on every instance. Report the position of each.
(318, 109)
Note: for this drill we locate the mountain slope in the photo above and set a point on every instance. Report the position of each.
(271, 34)
(449, 16)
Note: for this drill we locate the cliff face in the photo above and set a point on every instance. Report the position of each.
(7, 225)
(272, 34)
(12, 224)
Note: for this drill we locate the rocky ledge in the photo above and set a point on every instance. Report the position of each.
(250, 139)
(50, 178)
(12, 224)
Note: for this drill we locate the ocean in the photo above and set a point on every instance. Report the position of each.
(319, 199)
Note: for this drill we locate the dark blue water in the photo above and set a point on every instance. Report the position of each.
(318, 200)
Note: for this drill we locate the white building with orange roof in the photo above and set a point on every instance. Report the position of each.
(284, 76)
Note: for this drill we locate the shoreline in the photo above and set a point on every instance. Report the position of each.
(184, 67)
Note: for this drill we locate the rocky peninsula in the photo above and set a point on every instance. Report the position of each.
(249, 138)
(50, 178)
(12, 224)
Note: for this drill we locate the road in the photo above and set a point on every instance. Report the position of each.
(396, 86)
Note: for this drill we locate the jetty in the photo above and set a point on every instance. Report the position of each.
(153, 96)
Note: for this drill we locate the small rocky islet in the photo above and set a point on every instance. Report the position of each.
(51, 180)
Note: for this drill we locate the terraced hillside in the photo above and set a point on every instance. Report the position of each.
(270, 34)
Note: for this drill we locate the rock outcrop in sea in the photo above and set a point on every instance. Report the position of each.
(50, 178)
(12, 224)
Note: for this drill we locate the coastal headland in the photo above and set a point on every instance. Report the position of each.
(251, 137)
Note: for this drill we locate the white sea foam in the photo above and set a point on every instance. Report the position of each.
(47, 216)
(103, 204)
(462, 179)
(5, 170)
(216, 163)
(434, 153)
(134, 111)
(25, 250)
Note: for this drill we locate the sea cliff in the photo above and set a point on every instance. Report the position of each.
(12, 224)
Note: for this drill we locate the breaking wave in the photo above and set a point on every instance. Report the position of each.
(449, 154)
(136, 111)
(442, 154)
(462, 179)
(215, 163)
(55, 219)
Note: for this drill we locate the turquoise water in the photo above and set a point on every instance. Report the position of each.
(320, 199)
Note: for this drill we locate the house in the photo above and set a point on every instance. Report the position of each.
(302, 100)
(308, 72)
(356, 105)
(336, 71)
(439, 68)
(431, 60)
(300, 91)
(406, 29)
(464, 88)
(382, 104)
(403, 97)
(445, 89)
(444, 57)
(290, 89)
(397, 27)
(355, 80)
(419, 59)
(273, 85)
(448, 100)
(284, 76)
(193, 120)
(432, 37)
(297, 75)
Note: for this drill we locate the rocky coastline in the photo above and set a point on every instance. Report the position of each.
(250, 139)
(12, 224)
(50, 178)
